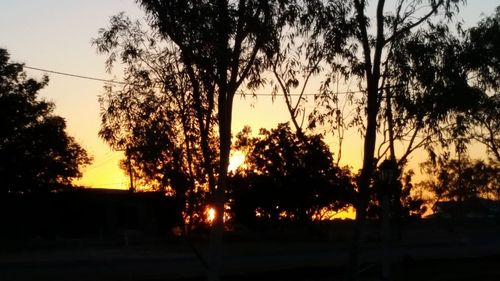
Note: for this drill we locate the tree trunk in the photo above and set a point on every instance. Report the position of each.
(390, 123)
(364, 180)
(215, 247)
(372, 74)
(225, 105)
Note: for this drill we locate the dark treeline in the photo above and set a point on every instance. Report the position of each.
(99, 216)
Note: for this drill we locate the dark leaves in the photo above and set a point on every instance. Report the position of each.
(36, 153)
(284, 174)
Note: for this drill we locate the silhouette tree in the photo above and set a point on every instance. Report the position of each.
(377, 51)
(36, 154)
(155, 116)
(295, 63)
(438, 94)
(425, 104)
(481, 58)
(222, 44)
(429, 91)
(485, 124)
(460, 180)
(481, 52)
(287, 177)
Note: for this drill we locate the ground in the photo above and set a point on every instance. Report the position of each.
(424, 251)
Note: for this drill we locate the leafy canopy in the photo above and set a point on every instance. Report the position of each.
(155, 116)
(36, 153)
(287, 177)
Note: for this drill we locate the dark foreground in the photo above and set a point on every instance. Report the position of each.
(485, 269)
(457, 262)
(426, 251)
(482, 268)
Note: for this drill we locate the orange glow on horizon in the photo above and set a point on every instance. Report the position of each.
(104, 172)
(348, 213)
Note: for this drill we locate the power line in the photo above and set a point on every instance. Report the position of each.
(297, 95)
(75, 75)
(125, 83)
(102, 162)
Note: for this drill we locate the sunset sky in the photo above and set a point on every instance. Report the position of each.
(56, 35)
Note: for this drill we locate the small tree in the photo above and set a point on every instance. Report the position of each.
(460, 181)
(36, 154)
(287, 177)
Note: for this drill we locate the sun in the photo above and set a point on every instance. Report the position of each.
(236, 159)
(210, 213)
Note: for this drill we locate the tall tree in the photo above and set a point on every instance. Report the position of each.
(36, 154)
(363, 49)
(440, 92)
(222, 44)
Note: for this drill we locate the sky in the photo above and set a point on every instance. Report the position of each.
(56, 35)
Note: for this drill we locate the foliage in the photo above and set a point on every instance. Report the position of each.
(221, 45)
(444, 87)
(484, 125)
(461, 180)
(404, 201)
(296, 61)
(36, 153)
(430, 90)
(481, 52)
(152, 116)
(481, 57)
(366, 49)
(441, 88)
(412, 204)
(287, 177)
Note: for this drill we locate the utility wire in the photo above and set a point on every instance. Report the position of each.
(304, 95)
(125, 83)
(75, 75)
